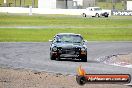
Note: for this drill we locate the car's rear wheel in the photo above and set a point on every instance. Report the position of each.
(106, 16)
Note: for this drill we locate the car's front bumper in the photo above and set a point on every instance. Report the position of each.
(67, 55)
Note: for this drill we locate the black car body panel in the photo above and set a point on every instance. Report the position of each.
(67, 45)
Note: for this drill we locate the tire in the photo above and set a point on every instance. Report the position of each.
(52, 58)
(84, 59)
(84, 15)
(58, 59)
(81, 80)
(106, 16)
(97, 15)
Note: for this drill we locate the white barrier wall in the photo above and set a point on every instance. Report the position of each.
(14, 10)
(42, 11)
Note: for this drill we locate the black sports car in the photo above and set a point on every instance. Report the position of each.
(68, 45)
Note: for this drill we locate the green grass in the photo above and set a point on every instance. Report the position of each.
(40, 35)
(63, 20)
(115, 28)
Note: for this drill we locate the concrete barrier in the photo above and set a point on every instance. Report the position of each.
(42, 10)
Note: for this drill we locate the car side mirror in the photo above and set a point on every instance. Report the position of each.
(50, 40)
(85, 41)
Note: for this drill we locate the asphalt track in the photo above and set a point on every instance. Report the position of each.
(35, 56)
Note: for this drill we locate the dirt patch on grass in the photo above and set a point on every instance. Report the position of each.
(10, 78)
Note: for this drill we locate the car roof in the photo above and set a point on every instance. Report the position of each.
(67, 34)
(92, 7)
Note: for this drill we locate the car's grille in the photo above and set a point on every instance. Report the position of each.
(69, 50)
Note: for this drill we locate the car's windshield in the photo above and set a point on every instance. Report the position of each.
(96, 9)
(69, 38)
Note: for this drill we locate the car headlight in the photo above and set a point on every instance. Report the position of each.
(83, 49)
(54, 48)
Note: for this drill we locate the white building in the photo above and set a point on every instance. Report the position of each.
(129, 5)
(65, 4)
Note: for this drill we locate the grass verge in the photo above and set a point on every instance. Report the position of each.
(42, 35)
(63, 20)
(114, 28)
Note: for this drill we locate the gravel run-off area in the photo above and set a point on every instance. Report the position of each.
(16, 78)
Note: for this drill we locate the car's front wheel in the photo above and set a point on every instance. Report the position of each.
(84, 59)
(84, 15)
(58, 59)
(97, 15)
(51, 57)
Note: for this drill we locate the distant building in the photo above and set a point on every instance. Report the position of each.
(88, 3)
(65, 4)
(129, 5)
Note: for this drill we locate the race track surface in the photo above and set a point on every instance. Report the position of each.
(35, 56)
